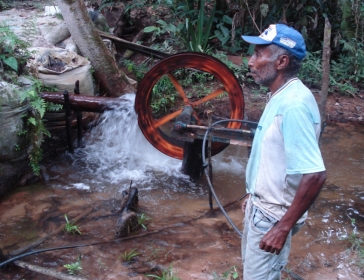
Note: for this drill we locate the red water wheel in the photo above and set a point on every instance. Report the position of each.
(195, 79)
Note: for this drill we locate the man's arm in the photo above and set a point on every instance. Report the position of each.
(307, 191)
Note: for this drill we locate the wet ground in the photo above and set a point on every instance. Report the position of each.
(182, 233)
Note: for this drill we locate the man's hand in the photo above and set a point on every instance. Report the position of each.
(307, 192)
(245, 202)
(274, 240)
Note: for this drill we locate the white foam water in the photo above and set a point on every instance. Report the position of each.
(116, 153)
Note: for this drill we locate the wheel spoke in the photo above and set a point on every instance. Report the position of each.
(179, 88)
(209, 97)
(166, 119)
(155, 130)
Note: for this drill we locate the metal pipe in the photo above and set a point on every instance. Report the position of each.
(78, 117)
(68, 121)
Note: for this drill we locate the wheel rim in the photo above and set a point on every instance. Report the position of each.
(152, 128)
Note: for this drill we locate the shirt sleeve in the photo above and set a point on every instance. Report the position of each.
(303, 154)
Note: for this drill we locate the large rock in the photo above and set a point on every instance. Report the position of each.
(13, 145)
(11, 123)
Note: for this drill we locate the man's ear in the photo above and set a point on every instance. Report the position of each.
(282, 62)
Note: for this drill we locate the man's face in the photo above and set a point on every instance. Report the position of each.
(262, 67)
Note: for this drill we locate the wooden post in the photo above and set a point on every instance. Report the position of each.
(68, 121)
(325, 72)
(79, 117)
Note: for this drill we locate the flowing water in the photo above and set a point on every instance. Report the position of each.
(182, 233)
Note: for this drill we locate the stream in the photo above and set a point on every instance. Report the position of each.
(182, 234)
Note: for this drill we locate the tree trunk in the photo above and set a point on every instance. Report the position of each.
(325, 72)
(112, 80)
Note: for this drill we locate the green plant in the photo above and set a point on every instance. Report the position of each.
(73, 268)
(348, 69)
(197, 27)
(139, 69)
(357, 244)
(188, 25)
(166, 275)
(142, 220)
(163, 95)
(239, 71)
(13, 51)
(135, 4)
(229, 274)
(13, 55)
(129, 255)
(36, 128)
(163, 28)
(311, 69)
(70, 227)
(4, 5)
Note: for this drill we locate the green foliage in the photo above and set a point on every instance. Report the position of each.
(36, 129)
(135, 4)
(166, 275)
(225, 30)
(129, 255)
(311, 69)
(74, 268)
(142, 220)
(139, 69)
(340, 78)
(357, 245)
(190, 26)
(239, 71)
(163, 28)
(348, 69)
(70, 227)
(4, 5)
(13, 51)
(163, 95)
(197, 29)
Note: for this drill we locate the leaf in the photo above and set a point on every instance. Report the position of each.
(149, 29)
(32, 121)
(227, 19)
(225, 31)
(40, 106)
(12, 63)
(264, 9)
(162, 22)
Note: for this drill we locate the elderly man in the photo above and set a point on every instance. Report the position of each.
(285, 172)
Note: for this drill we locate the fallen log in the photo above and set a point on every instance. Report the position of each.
(87, 103)
(139, 37)
(134, 47)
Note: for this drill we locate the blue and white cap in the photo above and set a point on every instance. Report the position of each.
(283, 36)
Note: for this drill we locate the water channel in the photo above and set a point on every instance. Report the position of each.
(182, 233)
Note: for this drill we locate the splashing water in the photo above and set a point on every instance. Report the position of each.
(117, 152)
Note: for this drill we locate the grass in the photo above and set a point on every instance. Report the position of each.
(129, 255)
(142, 220)
(70, 227)
(357, 246)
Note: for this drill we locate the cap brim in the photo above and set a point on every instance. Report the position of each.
(255, 40)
